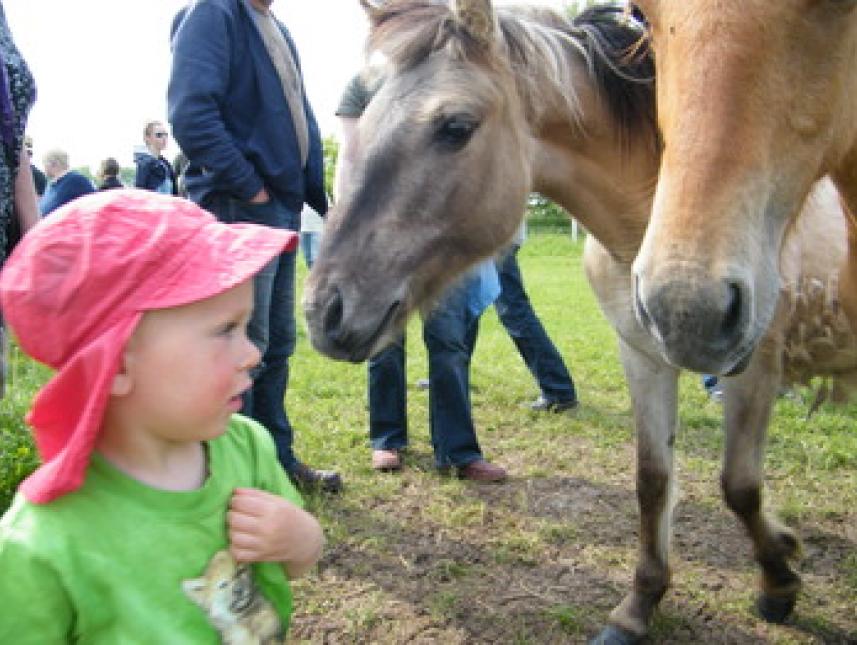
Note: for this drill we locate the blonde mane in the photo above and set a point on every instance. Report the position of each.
(536, 48)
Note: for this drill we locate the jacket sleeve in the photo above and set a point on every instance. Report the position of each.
(140, 175)
(199, 79)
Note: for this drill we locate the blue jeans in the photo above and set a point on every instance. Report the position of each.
(272, 327)
(450, 336)
(527, 332)
(310, 241)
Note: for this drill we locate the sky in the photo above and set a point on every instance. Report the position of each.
(102, 66)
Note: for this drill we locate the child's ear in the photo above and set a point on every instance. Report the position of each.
(122, 383)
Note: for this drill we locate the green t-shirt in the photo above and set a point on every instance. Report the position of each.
(359, 91)
(105, 564)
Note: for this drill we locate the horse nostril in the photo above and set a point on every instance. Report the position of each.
(332, 321)
(732, 316)
(642, 314)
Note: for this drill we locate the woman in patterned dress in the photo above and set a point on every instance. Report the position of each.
(18, 202)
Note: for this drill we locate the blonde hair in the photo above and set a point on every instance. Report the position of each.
(58, 157)
(150, 125)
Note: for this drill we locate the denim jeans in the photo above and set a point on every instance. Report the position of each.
(527, 332)
(272, 327)
(450, 336)
(310, 241)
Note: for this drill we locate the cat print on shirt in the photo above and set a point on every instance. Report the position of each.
(231, 600)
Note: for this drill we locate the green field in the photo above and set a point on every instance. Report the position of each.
(416, 557)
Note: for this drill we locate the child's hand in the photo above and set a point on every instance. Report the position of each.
(264, 527)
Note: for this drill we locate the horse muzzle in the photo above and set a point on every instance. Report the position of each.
(342, 330)
(704, 325)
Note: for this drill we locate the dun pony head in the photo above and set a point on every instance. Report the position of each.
(440, 175)
(756, 100)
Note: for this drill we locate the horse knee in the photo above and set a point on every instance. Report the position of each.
(744, 501)
(652, 487)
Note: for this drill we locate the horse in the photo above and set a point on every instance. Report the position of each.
(479, 108)
(756, 101)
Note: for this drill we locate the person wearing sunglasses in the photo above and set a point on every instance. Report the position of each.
(154, 172)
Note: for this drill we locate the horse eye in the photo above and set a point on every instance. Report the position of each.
(455, 131)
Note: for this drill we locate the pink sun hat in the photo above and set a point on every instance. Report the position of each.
(78, 283)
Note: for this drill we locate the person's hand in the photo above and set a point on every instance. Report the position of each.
(261, 197)
(264, 527)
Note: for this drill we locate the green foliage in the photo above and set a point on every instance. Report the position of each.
(544, 216)
(128, 176)
(331, 152)
(18, 457)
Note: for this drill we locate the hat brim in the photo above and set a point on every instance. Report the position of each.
(232, 254)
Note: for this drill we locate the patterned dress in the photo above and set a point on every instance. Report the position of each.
(17, 95)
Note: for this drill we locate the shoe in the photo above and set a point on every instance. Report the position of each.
(542, 404)
(482, 471)
(307, 479)
(387, 460)
(423, 384)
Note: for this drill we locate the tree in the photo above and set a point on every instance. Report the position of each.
(331, 152)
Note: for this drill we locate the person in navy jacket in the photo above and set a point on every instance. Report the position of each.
(238, 110)
(64, 185)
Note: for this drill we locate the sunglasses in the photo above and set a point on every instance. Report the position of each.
(161, 135)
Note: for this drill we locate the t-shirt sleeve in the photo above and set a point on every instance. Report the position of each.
(355, 98)
(269, 474)
(34, 606)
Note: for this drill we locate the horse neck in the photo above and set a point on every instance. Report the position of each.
(605, 186)
(579, 159)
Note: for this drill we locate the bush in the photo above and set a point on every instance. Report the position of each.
(18, 456)
(543, 216)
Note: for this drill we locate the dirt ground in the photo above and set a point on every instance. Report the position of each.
(543, 559)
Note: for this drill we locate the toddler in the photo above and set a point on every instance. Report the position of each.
(158, 515)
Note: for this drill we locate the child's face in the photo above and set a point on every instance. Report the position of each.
(187, 366)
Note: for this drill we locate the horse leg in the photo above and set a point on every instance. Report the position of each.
(653, 386)
(748, 399)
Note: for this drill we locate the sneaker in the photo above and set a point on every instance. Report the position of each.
(307, 479)
(542, 404)
(387, 460)
(482, 471)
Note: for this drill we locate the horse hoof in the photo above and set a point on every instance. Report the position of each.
(775, 609)
(612, 635)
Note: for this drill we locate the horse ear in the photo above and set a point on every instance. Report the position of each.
(373, 11)
(476, 17)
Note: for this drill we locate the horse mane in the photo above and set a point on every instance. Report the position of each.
(623, 67)
(536, 43)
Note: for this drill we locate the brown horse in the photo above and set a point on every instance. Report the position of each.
(478, 109)
(756, 101)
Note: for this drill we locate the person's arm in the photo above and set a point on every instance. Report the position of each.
(348, 148)
(26, 201)
(35, 607)
(141, 174)
(197, 90)
(264, 527)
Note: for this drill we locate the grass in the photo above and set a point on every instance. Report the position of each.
(415, 557)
